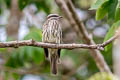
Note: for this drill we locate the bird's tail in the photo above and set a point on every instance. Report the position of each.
(53, 61)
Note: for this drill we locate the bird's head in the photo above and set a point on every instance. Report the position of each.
(54, 16)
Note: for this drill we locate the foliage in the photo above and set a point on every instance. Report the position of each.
(97, 4)
(111, 33)
(106, 7)
(111, 8)
(27, 54)
(102, 10)
(40, 4)
(33, 55)
(0, 7)
(117, 14)
(103, 76)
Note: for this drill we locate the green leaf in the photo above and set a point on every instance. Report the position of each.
(103, 76)
(102, 10)
(0, 7)
(12, 61)
(8, 3)
(6, 75)
(35, 34)
(42, 5)
(27, 53)
(38, 55)
(34, 53)
(16, 76)
(108, 56)
(112, 9)
(110, 33)
(96, 5)
(3, 49)
(63, 52)
(117, 14)
(23, 3)
(0, 10)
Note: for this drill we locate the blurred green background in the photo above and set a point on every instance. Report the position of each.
(23, 20)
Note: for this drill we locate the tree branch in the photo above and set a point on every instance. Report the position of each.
(69, 10)
(110, 40)
(31, 42)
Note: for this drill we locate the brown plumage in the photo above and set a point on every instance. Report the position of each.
(52, 33)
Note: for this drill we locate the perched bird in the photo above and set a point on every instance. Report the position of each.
(52, 33)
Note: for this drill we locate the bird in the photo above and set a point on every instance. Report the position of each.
(52, 33)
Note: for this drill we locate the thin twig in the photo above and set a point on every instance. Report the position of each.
(109, 41)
